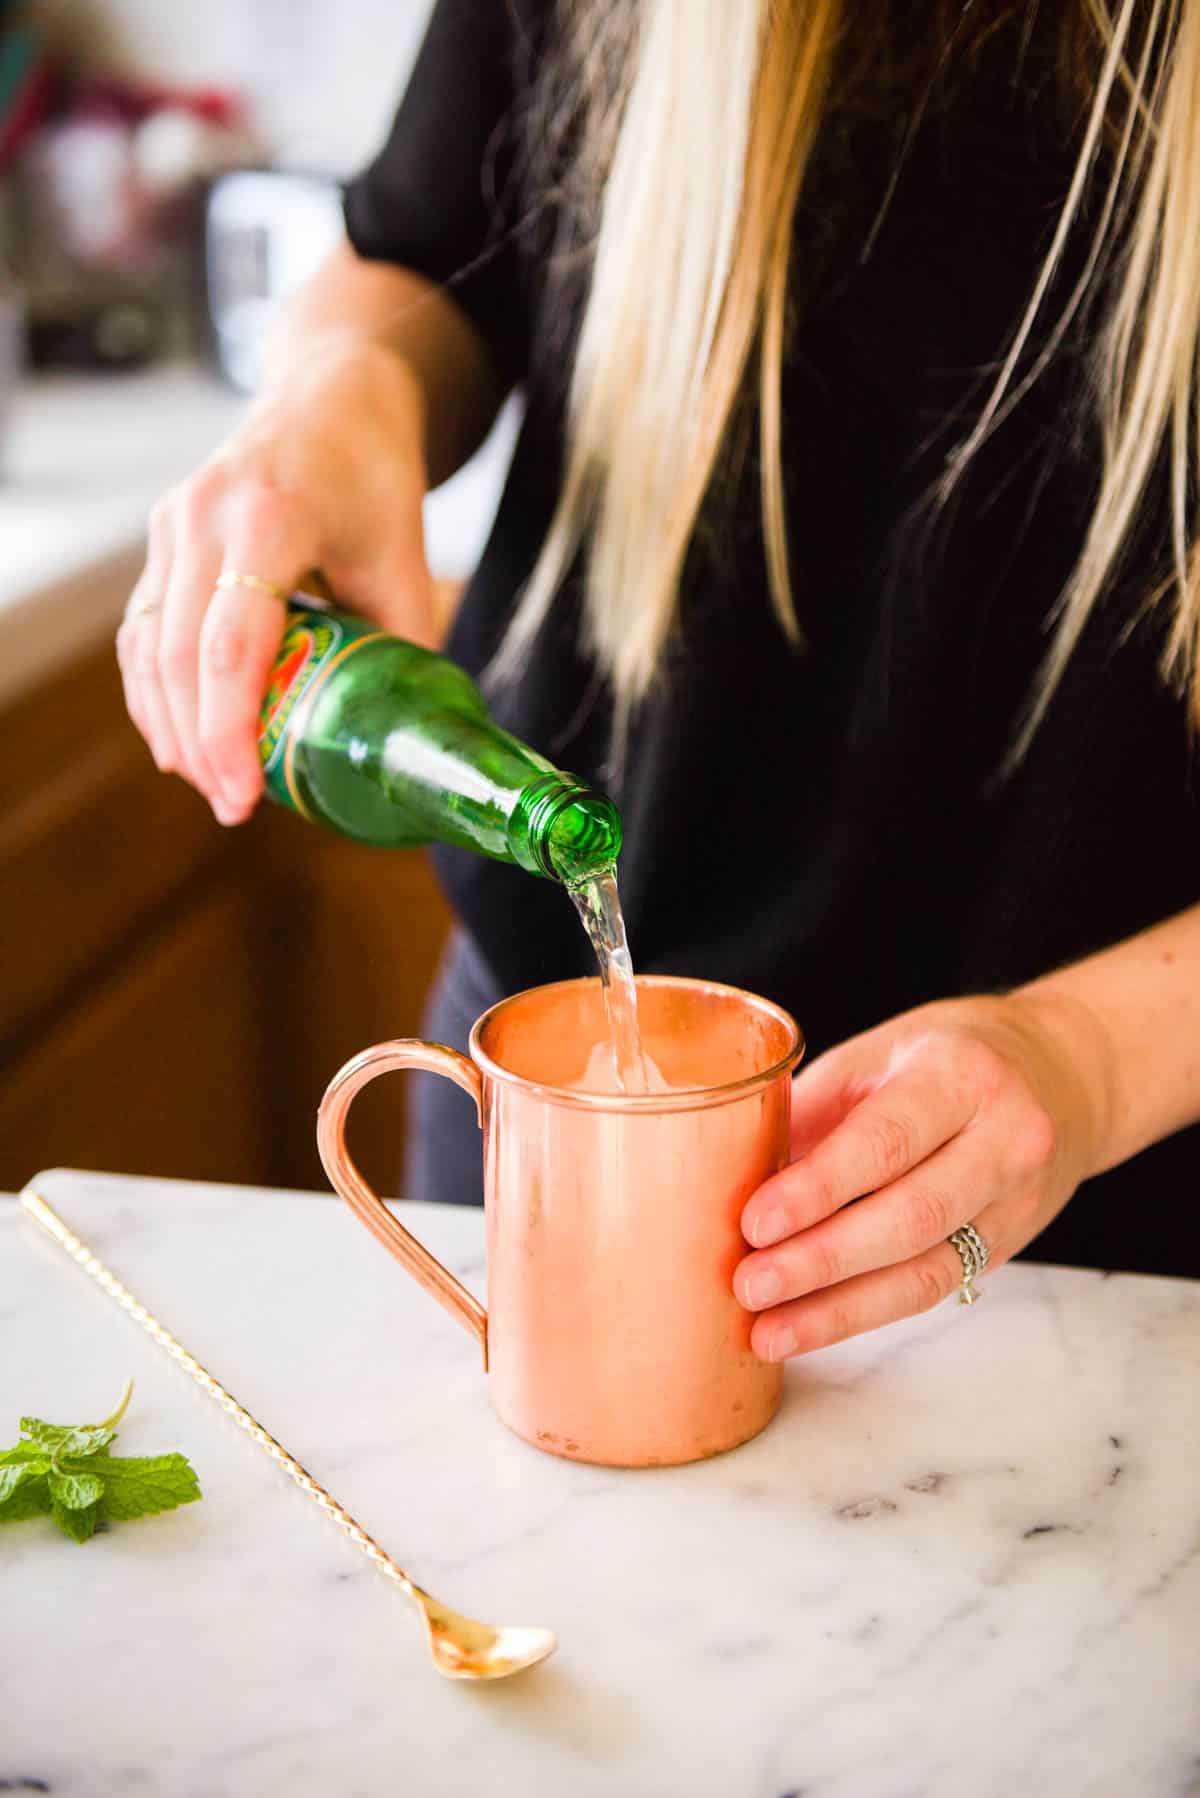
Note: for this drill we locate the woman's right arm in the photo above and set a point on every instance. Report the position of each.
(375, 387)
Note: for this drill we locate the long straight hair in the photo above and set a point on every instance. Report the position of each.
(697, 124)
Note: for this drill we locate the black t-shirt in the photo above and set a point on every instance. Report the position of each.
(824, 825)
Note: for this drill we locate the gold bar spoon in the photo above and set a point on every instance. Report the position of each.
(461, 1647)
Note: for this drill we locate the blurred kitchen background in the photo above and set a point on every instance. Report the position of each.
(174, 997)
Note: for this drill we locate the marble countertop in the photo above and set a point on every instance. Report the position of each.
(964, 1559)
(82, 460)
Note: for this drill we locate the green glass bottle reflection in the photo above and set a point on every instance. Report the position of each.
(393, 745)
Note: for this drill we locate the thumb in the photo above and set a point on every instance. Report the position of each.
(391, 586)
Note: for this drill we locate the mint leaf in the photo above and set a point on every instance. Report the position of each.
(75, 1490)
(75, 1439)
(31, 1499)
(141, 1485)
(68, 1470)
(16, 1473)
(78, 1524)
(65, 1439)
(24, 1451)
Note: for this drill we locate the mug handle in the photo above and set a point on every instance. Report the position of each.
(344, 1177)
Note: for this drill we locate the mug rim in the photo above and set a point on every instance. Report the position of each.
(684, 1098)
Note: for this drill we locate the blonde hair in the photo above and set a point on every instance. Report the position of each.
(699, 120)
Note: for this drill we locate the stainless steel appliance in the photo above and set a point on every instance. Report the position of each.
(266, 230)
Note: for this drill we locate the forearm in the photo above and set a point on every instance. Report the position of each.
(374, 308)
(1130, 1017)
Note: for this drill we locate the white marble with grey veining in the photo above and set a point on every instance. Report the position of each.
(964, 1560)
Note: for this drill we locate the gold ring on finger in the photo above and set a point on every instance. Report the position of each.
(234, 577)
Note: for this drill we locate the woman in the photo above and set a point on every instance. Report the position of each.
(849, 532)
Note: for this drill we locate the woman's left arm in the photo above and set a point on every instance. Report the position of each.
(987, 1110)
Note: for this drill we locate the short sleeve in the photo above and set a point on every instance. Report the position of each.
(440, 196)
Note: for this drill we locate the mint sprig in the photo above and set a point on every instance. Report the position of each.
(67, 1472)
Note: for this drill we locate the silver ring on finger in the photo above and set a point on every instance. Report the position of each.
(974, 1254)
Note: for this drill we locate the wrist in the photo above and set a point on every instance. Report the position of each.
(1082, 1047)
(349, 362)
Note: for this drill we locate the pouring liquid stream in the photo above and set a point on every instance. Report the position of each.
(598, 903)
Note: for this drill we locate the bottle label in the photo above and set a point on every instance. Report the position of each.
(310, 643)
(314, 644)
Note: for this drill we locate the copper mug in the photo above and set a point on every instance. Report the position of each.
(612, 1333)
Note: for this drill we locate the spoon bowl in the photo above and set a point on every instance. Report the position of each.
(463, 1648)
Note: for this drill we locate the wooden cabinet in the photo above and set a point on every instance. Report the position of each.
(174, 996)
(156, 1068)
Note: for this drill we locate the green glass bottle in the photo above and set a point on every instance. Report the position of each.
(392, 745)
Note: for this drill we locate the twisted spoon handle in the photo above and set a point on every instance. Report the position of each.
(37, 1208)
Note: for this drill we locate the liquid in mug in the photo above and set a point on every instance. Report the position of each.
(598, 903)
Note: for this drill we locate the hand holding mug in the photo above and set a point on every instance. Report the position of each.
(987, 1111)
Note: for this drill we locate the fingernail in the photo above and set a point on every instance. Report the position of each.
(768, 1228)
(225, 814)
(762, 1289)
(783, 1344)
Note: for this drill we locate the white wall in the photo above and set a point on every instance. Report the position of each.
(323, 75)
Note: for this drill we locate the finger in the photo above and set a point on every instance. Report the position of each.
(895, 1127)
(821, 1098)
(869, 1301)
(911, 1215)
(269, 534)
(239, 641)
(829, 1087)
(398, 598)
(137, 654)
(394, 589)
(194, 569)
(137, 647)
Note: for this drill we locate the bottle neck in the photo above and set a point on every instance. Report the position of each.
(563, 830)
